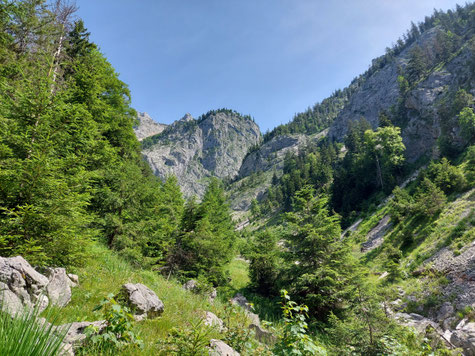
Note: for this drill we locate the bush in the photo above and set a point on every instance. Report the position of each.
(190, 341)
(448, 178)
(430, 199)
(118, 333)
(294, 339)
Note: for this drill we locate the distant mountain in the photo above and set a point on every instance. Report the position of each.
(193, 150)
(146, 126)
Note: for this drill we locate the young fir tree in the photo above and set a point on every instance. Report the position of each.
(318, 261)
(206, 241)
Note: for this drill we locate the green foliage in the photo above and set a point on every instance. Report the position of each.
(467, 124)
(295, 339)
(318, 264)
(70, 165)
(237, 334)
(448, 178)
(429, 198)
(25, 334)
(265, 262)
(118, 332)
(372, 164)
(417, 64)
(205, 243)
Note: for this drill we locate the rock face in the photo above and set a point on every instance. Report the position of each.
(142, 300)
(22, 286)
(146, 126)
(263, 162)
(193, 150)
(380, 91)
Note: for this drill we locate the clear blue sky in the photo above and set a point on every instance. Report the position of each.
(267, 58)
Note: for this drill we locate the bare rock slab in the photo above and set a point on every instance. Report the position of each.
(142, 300)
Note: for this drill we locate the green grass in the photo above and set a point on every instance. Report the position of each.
(239, 273)
(25, 335)
(106, 272)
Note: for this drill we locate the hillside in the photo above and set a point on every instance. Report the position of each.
(348, 231)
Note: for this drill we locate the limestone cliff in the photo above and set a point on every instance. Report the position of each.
(146, 126)
(196, 149)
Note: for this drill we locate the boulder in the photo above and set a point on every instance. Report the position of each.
(262, 335)
(211, 319)
(143, 302)
(212, 295)
(446, 311)
(76, 331)
(21, 285)
(242, 301)
(59, 286)
(191, 285)
(219, 348)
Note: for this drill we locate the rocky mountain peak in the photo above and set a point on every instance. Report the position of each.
(146, 126)
(214, 145)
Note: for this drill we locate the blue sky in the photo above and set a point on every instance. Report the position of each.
(267, 58)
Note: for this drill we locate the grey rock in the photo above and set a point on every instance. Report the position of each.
(76, 331)
(220, 348)
(211, 319)
(193, 286)
(59, 286)
(242, 301)
(190, 285)
(20, 283)
(375, 237)
(74, 279)
(146, 126)
(263, 335)
(380, 91)
(142, 300)
(445, 311)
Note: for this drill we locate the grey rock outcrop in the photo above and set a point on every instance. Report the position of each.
(220, 348)
(264, 161)
(21, 285)
(143, 302)
(193, 150)
(146, 126)
(376, 235)
(380, 92)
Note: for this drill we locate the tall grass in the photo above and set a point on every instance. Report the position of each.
(25, 334)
